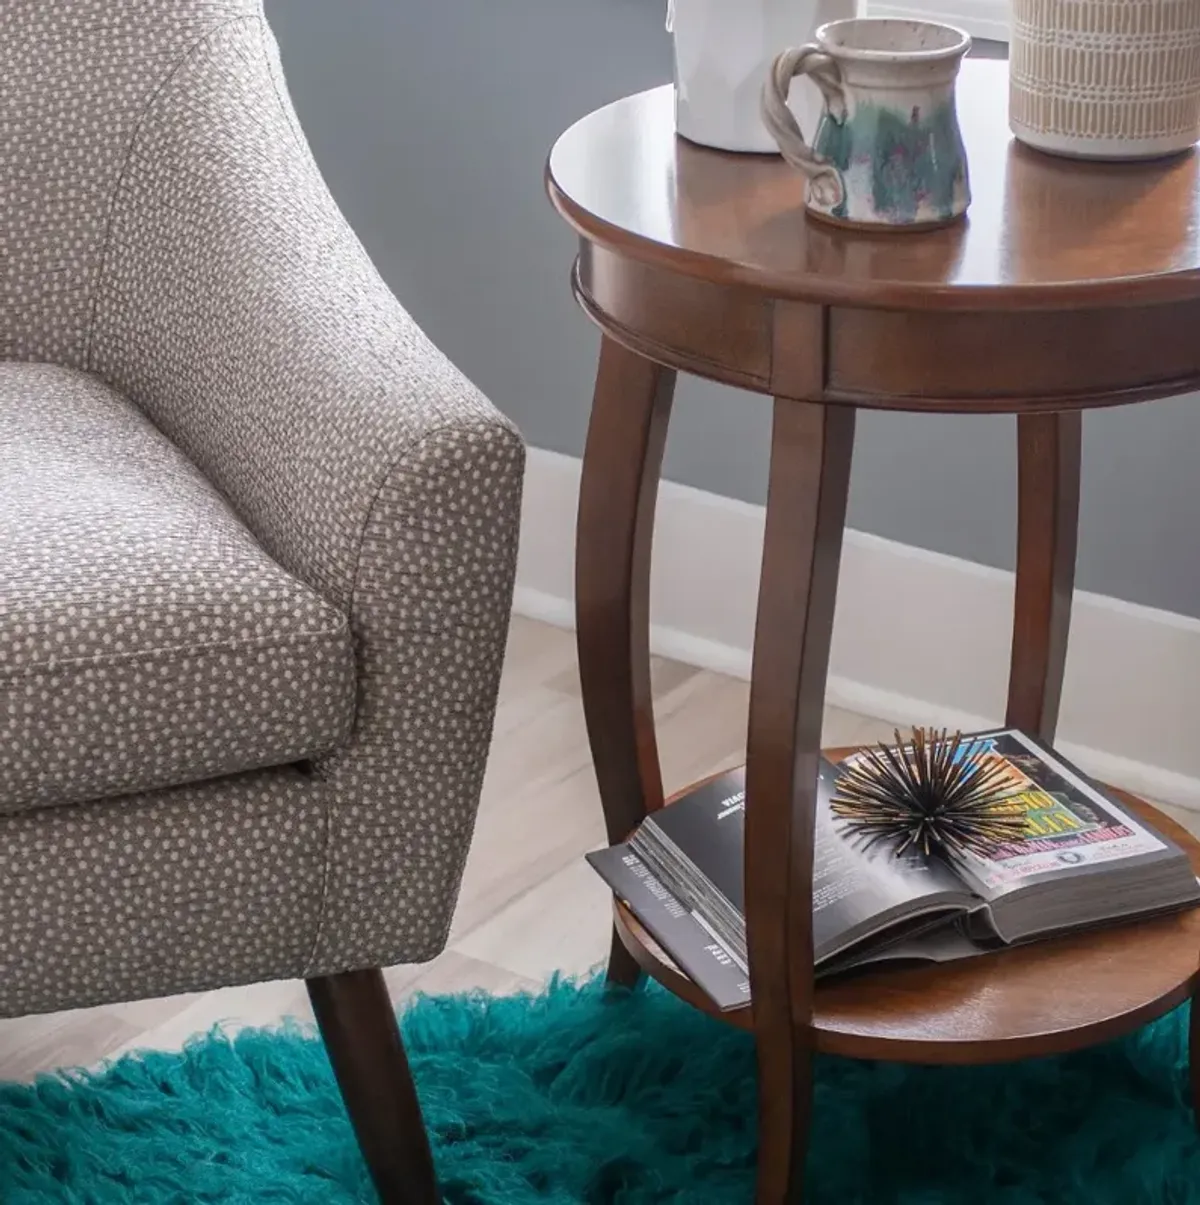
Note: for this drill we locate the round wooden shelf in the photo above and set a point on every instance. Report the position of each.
(1045, 998)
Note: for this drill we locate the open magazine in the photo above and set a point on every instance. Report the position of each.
(1083, 860)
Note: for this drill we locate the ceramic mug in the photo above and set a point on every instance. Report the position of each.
(888, 153)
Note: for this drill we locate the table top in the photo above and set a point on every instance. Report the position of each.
(1042, 232)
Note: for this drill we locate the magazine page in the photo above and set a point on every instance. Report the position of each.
(856, 891)
(1070, 826)
(860, 892)
(942, 941)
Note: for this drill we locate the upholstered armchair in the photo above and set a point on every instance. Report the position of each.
(257, 541)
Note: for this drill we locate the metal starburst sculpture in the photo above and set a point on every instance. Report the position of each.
(935, 793)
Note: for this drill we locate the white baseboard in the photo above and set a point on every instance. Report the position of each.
(919, 637)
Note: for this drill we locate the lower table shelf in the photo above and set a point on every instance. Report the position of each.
(1044, 998)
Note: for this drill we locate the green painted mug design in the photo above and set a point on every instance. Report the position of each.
(888, 152)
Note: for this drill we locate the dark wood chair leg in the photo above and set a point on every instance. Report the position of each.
(1194, 1058)
(621, 465)
(811, 447)
(1049, 449)
(358, 1024)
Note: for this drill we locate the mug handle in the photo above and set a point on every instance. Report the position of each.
(825, 181)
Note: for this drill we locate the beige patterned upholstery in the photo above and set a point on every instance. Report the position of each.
(163, 227)
(145, 638)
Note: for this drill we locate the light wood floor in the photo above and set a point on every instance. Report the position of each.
(530, 905)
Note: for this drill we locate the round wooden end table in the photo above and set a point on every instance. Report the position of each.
(1069, 286)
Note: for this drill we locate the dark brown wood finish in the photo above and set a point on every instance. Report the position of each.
(682, 321)
(811, 447)
(358, 1024)
(1194, 1059)
(1017, 361)
(1046, 298)
(958, 363)
(622, 460)
(1042, 233)
(1046, 998)
(1049, 450)
(1070, 286)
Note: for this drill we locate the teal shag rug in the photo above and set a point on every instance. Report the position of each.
(572, 1098)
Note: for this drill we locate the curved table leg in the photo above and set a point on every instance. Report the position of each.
(811, 447)
(1047, 526)
(621, 465)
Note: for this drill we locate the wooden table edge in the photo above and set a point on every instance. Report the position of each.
(1113, 293)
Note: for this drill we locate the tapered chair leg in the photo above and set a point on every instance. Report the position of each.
(358, 1024)
(1194, 1058)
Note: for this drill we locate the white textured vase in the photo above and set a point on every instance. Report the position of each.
(1106, 79)
(723, 49)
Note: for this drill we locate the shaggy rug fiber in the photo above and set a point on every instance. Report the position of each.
(569, 1098)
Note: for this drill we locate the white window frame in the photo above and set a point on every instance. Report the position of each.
(980, 18)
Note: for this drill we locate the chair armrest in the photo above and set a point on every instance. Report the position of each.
(239, 310)
(237, 307)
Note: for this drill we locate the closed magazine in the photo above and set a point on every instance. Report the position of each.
(680, 932)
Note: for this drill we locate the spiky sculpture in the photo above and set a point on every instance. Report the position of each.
(934, 793)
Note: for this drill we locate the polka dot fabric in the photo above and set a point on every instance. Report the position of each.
(77, 76)
(145, 638)
(193, 888)
(224, 295)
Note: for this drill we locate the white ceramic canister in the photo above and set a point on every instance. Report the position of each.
(1105, 79)
(723, 50)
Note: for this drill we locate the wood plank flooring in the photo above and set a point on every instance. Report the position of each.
(530, 906)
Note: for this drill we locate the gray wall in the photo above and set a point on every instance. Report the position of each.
(431, 120)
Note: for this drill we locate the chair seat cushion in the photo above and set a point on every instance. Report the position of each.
(145, 637)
